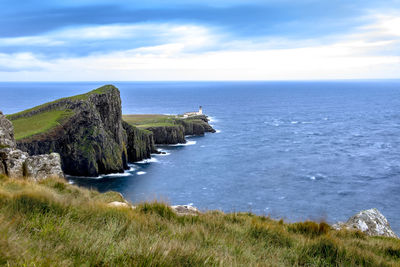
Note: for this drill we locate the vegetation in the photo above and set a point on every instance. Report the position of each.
(100, 90)
(39, 123)
(54, 223)
(150, 120)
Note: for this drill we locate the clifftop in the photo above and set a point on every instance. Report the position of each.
(85, 129)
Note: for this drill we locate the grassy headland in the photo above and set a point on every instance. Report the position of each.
(39, 123)
(54, 223)
(150, 120)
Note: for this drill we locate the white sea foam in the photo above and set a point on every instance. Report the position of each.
(141, 173)
(217, 131)
(71, 182)
(188, 143)
(115, 175)
(212, 119)
(163, 154)
(294, 122)
(146, 161)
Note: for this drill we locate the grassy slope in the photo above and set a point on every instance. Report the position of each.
(39, 123)
(45, 121)
(54, 223)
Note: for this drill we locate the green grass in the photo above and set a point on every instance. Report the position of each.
(53, 223)
(28, 126)
(100, 90)
(150, 120)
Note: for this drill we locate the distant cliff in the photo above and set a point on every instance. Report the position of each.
(168, 129)
(86, 130)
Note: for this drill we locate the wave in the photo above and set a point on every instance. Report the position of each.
(115, 175)
(212, 119)
(188, 143)
(146, 161)
(141, 173)
(217, 131)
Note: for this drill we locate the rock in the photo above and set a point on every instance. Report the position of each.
(139, 144)
(371, 222)
(6, 133)
(13, 162)
(118, 204)
(43, 166)
(18, 164)
(185, 210)
(168, 135)
(91, 141)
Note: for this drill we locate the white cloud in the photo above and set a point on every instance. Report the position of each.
(359, 55)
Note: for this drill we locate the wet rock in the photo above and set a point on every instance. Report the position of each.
(185, 210)
(371, 222)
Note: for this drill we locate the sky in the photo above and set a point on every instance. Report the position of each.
(180, 40)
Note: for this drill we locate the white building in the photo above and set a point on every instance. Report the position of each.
(194, 113)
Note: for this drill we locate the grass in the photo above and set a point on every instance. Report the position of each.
(150, 120)
(55, 223)
(100, 90)
(42, 122)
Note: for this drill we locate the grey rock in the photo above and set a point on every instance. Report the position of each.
(185, 210)
(18, 164)
(371, 222)
(43, 166)
(6, 133)
(13, 162)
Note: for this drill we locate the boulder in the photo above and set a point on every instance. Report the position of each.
(185, 210)
(18, 164)
(43, 166)
(6, 133)
(370, 222)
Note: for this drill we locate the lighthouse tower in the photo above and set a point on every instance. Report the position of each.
(200, 111)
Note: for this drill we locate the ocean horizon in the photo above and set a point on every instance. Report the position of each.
(298, 150)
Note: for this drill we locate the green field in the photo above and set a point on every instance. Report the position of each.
(150, 120)
(52, 223)
(28, 126)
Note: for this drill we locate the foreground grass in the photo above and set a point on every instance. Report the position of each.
(54, 223)
(28, 126)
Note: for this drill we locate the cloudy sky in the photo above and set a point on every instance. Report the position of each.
(99, 40)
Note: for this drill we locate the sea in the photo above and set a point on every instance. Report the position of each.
(293, 150)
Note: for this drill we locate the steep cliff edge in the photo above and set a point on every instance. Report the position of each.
(86, 130)
(140, 143)
(170, 129)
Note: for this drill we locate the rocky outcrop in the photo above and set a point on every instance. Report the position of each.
(18, 164)
(168, 135)
(139, 143)
(371, 222)
(91, 141)
(6, 133)
(175, 134)
(185, 210)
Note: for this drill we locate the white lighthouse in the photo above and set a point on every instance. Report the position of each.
(200, 111)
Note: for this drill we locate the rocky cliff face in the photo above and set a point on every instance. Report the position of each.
(196, 125)
(91, 141)
(140, 143)
(18, 164)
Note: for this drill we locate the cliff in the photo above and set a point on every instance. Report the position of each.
(168, 129)
(86, 130)
(15, 163)
(140, 143)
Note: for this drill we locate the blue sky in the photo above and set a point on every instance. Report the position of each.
(199, 40)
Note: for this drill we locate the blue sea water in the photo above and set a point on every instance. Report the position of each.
(293, 150)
